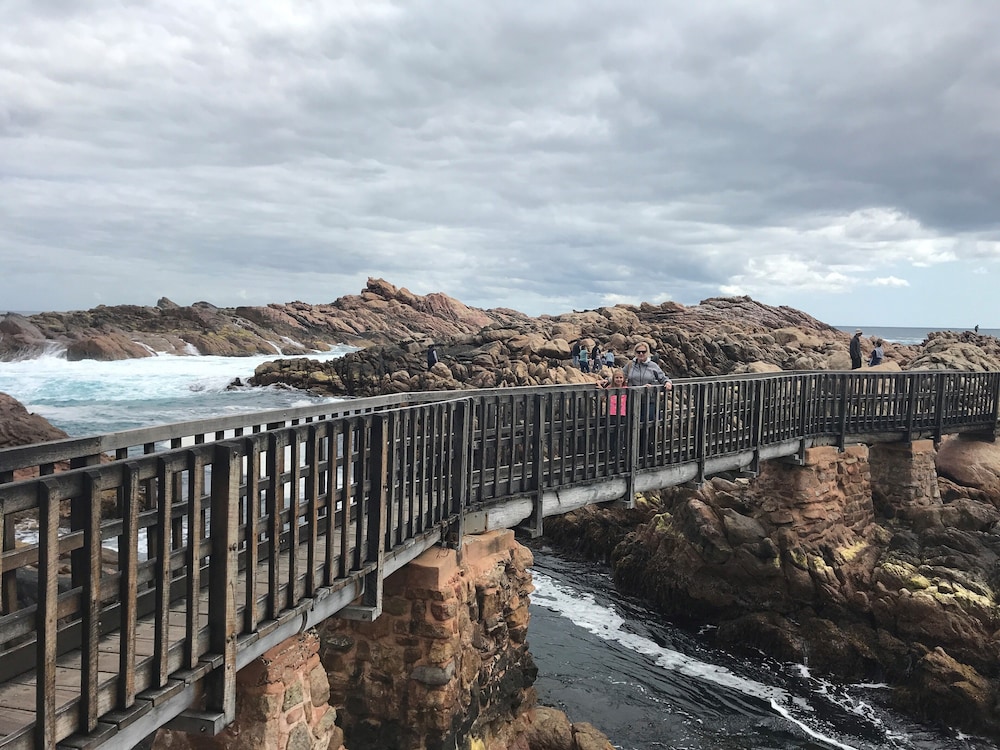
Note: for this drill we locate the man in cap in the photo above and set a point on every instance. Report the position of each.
(856, 350)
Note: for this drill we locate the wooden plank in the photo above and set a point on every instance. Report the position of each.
(293, 517)
(251, 612)
(312, 508)
(92, 604)
(47, 612)
(192, 555)
(345, 502)
(220, 693)
(361, 527)
(8, 569)
(275, 508)
(128, 561)
(164, 507)
(332, 472)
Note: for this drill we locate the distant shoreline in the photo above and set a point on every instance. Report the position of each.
(910, 334)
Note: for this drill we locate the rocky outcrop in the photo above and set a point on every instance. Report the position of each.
(18, 426)
(717, 337)
(965, 350)
(382, 313)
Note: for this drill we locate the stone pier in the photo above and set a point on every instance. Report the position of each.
(445, 665)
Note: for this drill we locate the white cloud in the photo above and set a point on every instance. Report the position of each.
(889, 281)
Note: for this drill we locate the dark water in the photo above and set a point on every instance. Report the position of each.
(607, 660)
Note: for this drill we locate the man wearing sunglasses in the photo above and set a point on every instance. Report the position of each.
(643, 371)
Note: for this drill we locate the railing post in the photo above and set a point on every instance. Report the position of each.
(757, 420)
(91, 604)
(939, 408)
(995, 377)
(633, 405)
(374, 516)
(220, 688)
(461, 450)
(701, 431)
(842, 437)
(538, 422)
(377, 511)
(47, 616)
(8, 578)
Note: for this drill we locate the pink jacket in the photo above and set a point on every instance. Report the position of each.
(616, 404)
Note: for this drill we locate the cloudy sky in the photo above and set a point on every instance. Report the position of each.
(841, 158)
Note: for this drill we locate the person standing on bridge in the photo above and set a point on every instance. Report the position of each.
(856, 350)
(617, 404)
(644, 371)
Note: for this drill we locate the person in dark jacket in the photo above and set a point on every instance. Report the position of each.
(877, 355)
(432, 357)
(856, 350)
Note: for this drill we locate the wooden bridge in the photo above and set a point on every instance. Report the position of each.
(168, 558)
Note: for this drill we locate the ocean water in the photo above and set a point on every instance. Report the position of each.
(90, 397)
(601, 658)
(648, 685)
(903, 335)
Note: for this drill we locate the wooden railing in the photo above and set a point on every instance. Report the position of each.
(168, 558)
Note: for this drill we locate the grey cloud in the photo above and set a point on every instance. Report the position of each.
(552, 154)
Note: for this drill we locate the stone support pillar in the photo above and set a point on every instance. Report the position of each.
(446, 663)
(282, 704)
(904, 481)
(830, 491)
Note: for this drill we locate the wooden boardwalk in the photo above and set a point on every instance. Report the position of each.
(232, 535)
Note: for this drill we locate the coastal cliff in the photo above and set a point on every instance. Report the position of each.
(382, 313)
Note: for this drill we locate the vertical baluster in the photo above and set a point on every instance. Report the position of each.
(128, 562)
(275, 508)
(196, 460)
(163, 573)
(294, 509)
(345, 502)
(332, 472)
(47, 615)
(220, 684)
(312, 507)
(91, 622)
(363, 494)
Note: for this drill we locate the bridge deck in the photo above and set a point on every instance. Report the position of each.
(18, 697)
(260, 529)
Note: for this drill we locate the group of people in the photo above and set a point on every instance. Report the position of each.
(641, 371)
(875, 358)
(593, 360)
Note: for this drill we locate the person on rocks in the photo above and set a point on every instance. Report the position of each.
(575, 353)
(596, 358)
(584, 358)
(432, 357)
(609, 357)
(856, 350)
(878, 355)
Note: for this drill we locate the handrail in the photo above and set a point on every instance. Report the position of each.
(321, 503)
